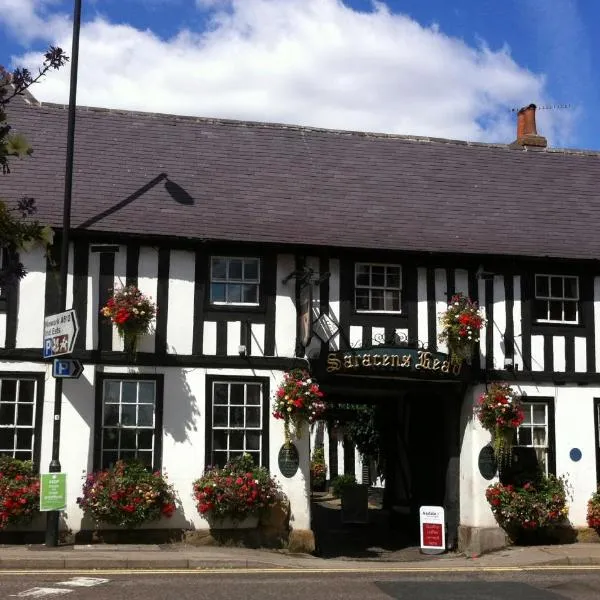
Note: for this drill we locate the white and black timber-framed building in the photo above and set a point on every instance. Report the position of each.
(383, 228)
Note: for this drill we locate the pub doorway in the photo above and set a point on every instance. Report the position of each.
(418, 434)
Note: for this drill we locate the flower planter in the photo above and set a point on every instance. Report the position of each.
(249, 522)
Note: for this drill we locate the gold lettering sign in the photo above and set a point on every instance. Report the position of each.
(333, 363)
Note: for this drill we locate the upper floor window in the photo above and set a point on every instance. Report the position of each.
(234, 281)
(556, 299)
(377, 287)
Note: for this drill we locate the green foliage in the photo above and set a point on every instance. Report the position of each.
(318, 467)
(593, 511)
(19, 491)
(341, 483)
(127, 495)
(237, 490)
(17, 231)
(365, 428)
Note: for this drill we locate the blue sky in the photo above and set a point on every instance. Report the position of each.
(452, 68)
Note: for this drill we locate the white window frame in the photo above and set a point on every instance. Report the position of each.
(119, 428)
(15, 451)
(542, 450)
(226, 281)
(371, 287)
(550, 298)
(260, 429)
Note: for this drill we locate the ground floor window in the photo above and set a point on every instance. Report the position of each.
(129, 420)
(238, 418)
(21, 399)
(534, 444)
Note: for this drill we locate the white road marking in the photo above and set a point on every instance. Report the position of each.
(84, 581)
(39, 592)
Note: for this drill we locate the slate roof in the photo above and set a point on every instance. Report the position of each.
(210, 179)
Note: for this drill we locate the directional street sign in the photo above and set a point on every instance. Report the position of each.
(60, 333)
(67, 368)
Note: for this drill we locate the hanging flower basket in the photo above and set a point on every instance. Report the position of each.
(499, 411)
(132, 313)
(298, 402)
(461, 323)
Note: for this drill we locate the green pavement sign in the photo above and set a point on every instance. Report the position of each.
(53, 491)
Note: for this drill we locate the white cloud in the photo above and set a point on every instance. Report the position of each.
(312, 62)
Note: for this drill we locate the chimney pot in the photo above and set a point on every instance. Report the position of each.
(527, 134)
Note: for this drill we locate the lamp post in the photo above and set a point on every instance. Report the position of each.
(52, 518)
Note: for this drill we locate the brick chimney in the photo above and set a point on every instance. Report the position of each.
(527, 135)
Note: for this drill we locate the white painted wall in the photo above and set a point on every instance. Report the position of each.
(285, 308)
(30, 324)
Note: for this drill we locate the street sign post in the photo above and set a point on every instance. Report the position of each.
(53, 491)
(60, 333)
(67, 368)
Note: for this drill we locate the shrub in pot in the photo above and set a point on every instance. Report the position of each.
(593, 511)
(342, 483)
(127, 495)
(318, 469)
(236, 492)
(19, 492)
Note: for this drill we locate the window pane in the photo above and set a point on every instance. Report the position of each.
(392, 300)
(362, 300)
(219, 268)
(525, 438)
(252, 394)
(220, 458)
(220, 393)
(145, 438)
(253, 417)
(235, 269)
(24, 439)
(252, 440)
(23, 455)
(234, 292)
(219, 416)
(145, 416)
(7, 414)
(217, 292)
(236, 393)
(26, 390)
(541, 458)
(571, 287)
(109, 458)
(250, 293)
(127, 454)
(539, 436)
(555, 310)
(146, 392)
(236, 440)
(128, 414)
(111, 414)
(539, 414)
(251, 270)
(129, 392)
(25, 414)
(220, 440)
(556, 287)
(237, 417)
(110, 439)
(377, 300)
(540, 308)
(145, 458)
(7, 439)
(378, 276)
(393, 277)
(128, 439)
(542, 287)
(363, 275)
(112, 390)
(9, 390)
(570, 310)
(527, 413)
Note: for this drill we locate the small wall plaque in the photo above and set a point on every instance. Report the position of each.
(575, 454)
(288, 460)
(488, 465)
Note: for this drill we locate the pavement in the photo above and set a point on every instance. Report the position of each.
(177, 557)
